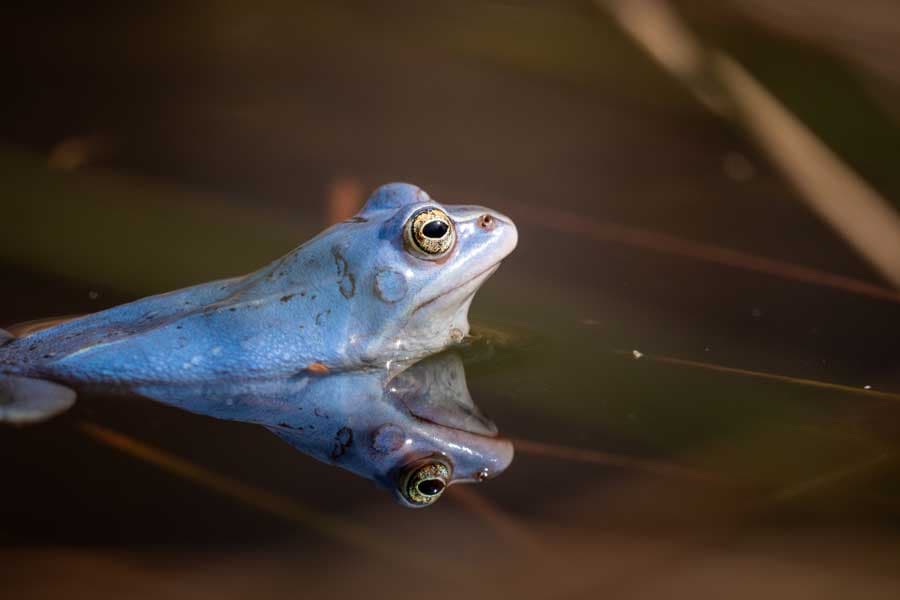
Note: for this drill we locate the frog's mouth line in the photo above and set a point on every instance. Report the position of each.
(481, 274)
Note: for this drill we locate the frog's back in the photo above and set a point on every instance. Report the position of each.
(34, 353)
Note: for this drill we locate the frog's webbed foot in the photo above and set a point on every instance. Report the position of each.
(24, 401)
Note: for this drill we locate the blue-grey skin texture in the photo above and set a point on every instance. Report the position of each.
(354, 296)
(369, 421)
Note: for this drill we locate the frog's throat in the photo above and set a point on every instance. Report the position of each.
(481, 274)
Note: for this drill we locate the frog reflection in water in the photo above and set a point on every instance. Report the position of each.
(392, 284)
(414, 433)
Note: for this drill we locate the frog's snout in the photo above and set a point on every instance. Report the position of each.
(498, 224)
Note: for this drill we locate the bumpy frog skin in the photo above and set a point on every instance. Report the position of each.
(359, 294)
(379, 425)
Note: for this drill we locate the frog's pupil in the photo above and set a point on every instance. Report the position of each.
(435, 229)
(430, 487)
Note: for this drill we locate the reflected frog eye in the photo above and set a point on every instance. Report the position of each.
(430, 233)
(423, 483)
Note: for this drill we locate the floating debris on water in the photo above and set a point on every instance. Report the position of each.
(637, 353)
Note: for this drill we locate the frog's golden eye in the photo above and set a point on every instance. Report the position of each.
(423, 482)
(430, 232)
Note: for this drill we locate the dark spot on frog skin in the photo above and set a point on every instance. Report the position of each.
(287, 297)
(343, 439)
(356, 220)
(346, 281)
(348, 286)
(320, 413)
(289, 426)
(321, 316)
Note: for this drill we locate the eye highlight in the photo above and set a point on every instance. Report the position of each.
(424, 483)
(430, 232)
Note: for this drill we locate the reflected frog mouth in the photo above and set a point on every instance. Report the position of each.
(483, 274)
(480, 426)
(457, 416)
(434, 392)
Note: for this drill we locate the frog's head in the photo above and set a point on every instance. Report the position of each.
(418, 264)
(445, 437)
(414, 433)
(424, 434)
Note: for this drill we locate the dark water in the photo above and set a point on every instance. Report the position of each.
(218, 134)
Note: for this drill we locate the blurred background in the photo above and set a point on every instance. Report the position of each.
(694, 346)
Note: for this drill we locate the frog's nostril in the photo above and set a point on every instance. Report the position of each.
(487, 222)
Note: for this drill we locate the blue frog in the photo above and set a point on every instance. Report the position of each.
(414, 433)
(392, 284)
